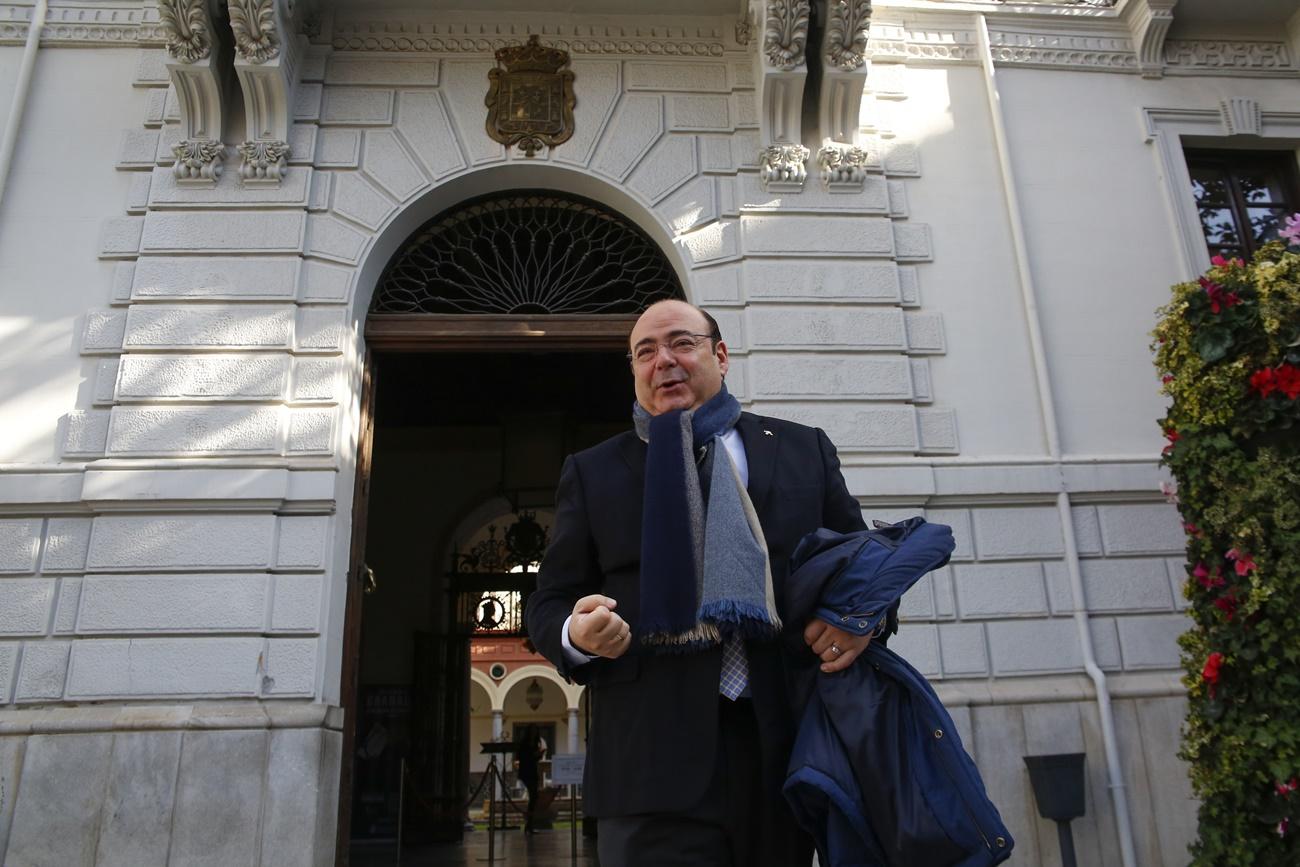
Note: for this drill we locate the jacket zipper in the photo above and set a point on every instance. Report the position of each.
(974, 820)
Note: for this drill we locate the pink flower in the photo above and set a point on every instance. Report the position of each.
(1283, 827)
(1291, 231)
(1285, 789)
(1170, 492)
(1245, 563)
(1220, 262)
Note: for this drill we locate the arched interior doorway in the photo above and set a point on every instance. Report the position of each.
(495, 346)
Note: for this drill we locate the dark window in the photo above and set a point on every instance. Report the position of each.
(1242, 197)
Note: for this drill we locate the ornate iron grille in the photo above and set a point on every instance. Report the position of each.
(526, 253)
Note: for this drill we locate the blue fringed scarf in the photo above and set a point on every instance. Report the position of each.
(705, 575)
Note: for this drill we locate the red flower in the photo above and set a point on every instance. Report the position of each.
(1285, 789)
(1210, 673)
(1245, 563)
(1219, 297)
(1264, 381)
(1166, 379)
(1227, 604)
(1221, 262)
(1202, 576)
(1287, 378)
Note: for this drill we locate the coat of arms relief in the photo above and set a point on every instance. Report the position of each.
(530, 101)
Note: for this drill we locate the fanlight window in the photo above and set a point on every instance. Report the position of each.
(526, 253)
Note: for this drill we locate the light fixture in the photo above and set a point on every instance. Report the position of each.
(533, 695)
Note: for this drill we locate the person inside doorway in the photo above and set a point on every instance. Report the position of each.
(529, 751)
(662, 590)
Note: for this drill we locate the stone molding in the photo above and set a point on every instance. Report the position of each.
(1241, 115)
(257, 34)
(1148, 22)
(188, 29)
(576, 38)
(198, 161)
(846, 34)
(785, 33)
(843, 168)
(263, 162)
(781, 167)
(268, 52)
(1197, 56)
(85, 24)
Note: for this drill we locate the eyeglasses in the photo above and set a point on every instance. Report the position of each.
(681, 346)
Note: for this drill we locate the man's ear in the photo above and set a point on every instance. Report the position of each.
(720, 350)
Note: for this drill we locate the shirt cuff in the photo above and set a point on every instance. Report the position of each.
(571, 653)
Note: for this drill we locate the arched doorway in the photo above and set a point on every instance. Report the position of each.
(495, 346)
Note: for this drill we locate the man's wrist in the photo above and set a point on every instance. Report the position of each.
(572, 653)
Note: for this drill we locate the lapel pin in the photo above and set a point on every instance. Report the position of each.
(768, 433)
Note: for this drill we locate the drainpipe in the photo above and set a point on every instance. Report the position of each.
(20, 92)
(1047, 404)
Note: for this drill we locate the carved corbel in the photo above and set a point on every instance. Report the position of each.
(1148, 23)
(844, 69)
(844, 167)
(268, 51)
(187, 27)
(783, 71)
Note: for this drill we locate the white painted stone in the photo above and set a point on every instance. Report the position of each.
(358, 200)
(918, 643)
(669, 75)
(123, 275)
(318, 198)
(908, 286)
(918, 602)
(1105, 642)
(218, 430)
(717, 285)
(321, 282)
(423, 124)
(937, 429)
(390, 69)
(293, 780)
(925, 333)
(920, 370)
(635, 127)
(302, 144)
(900, 157)
(912, 242)
(228, 326)
(311, 431)
(853, 427)
(826, 327)
(871, 200)
(963, 536)
(838, 376)
(203, 377)
(86, 433)
(728, 198)
(693, 205)
(314, 62)
(228, 191)
(668, 165)
(65, 612)
(302, 542)
(25, 605)
(731, 323)
(314, 380)
(247, 487)
(120, 237)
(180, 542)
(715, 154)
(20, 541)
(789, 235)
(172, 603)
(1178, 581)
(390, 166)
(1126, 585)
(1018, 532)
(999, 590)
(738, 379)
(215, 278)
(105, 382)
(170, 136)
(1141, 528)
(320, 329)
(699, 114)
(331, 238)
(103, 332)
(66, 542)
(138, 148)
(464, 87)
(135, 825)
(219, 799)
(712, 243)
(1087, 530)
(745, 149)
(137, 197)
(1151, 641)
(296, 605)
(745, 110)
(596, 87)
(338, 148)
(151, 68)
(103, 668)
(821, 282)
(8, 662)
(43, 672)
(291, 667)
(56, 816)
(963, 649)
(355, 106)
(897, 199)
(156, 105)
(1034, 646)
(236, 231)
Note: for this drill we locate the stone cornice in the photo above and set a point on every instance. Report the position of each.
(85, 24)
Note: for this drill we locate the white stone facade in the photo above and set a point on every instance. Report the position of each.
(180, 369)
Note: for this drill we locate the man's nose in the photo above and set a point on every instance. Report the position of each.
(663, 352)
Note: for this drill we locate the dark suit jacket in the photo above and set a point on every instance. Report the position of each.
(654, 716)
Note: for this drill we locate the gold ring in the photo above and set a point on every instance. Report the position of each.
(835, 649)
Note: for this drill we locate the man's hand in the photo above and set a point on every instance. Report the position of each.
(595, 628)
(836, 648)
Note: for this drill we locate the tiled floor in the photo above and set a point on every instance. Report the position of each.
(513, 849)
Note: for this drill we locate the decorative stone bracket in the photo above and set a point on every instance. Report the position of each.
(844, 69)
(1148, 21)
(268, 50)
(781, 168)
(188, 30)
(844, 167)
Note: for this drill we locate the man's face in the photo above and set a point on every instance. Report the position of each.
(675, 381)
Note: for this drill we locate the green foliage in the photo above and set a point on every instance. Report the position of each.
(1228, 347)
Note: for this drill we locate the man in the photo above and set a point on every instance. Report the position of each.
(662, 590)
